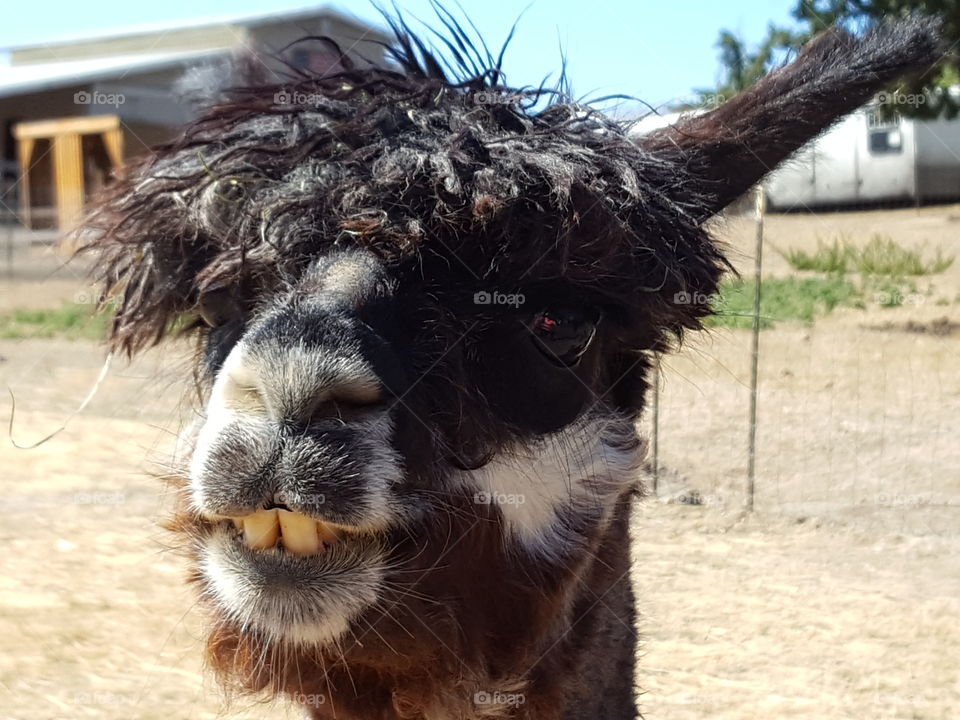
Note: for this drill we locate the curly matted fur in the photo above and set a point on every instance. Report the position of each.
(402, 162)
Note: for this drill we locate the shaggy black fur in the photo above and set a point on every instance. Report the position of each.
(409, 164)
(462, 173)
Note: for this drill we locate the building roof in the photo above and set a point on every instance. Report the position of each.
(237, 19)
(22, 79)
(57, 63)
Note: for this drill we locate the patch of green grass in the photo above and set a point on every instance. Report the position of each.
(832, 257)
(882, 255)
(71, 321)
(789, 298)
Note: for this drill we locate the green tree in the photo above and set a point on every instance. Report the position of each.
(741, 66)
(926, 94)
(818, 15)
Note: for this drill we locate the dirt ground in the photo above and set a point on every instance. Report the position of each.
(837, 598)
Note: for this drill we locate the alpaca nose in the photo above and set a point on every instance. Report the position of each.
(302, 367)
(311, 358)
(296, 385)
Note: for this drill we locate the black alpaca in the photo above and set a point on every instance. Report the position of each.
(426, 320)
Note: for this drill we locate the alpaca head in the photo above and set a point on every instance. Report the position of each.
(425, 322)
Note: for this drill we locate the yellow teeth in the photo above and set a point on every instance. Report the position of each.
(261, 530)
(299, 534)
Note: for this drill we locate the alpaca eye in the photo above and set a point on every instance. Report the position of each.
(219, 306)
(564, 335)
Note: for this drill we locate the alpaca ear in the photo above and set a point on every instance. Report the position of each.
(728, 150)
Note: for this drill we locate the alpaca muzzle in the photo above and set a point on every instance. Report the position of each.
(297, 443)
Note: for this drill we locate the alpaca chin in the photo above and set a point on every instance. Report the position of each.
(288, 599)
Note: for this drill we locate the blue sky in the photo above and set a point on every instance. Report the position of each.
(657, 50)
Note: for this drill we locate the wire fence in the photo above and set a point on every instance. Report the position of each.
(855, 417)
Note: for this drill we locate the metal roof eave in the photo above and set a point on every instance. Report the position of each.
(86, 71)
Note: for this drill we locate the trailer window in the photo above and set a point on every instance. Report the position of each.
(884, 142)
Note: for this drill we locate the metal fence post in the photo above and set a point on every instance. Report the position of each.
(655, 435)
(755, 350)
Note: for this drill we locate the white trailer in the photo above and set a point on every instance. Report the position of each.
(865, 160)
(862, 160)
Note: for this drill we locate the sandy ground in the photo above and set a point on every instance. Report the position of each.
(838, 598)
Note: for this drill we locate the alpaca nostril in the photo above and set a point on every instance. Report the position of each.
(340, 410)
(345, 402)
(241, 392)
